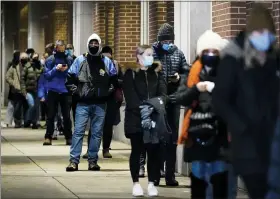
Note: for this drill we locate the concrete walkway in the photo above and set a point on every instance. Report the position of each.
(31, 170)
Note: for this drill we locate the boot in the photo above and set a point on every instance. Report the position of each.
(198, 188)
(106, 153)
(47, 142)
(72, 167)
(219, 182)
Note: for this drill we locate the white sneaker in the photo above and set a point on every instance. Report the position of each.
(137, 190)
(152, 190)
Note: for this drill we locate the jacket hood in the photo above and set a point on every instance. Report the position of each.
(94, 36)
(156, 66)
(158, 49)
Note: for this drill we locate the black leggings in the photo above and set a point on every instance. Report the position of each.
(153, 163)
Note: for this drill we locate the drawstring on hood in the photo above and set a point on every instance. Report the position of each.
(94, 37)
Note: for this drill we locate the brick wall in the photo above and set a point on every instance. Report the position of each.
(170, 12)
(110, 26)
(228, 17)
(99, 19)
(276, 16)
(127, 30)
(157, 16)
(60, 21)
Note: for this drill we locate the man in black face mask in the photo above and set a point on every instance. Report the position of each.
(56, 68)
(90, 77)
(13, 78)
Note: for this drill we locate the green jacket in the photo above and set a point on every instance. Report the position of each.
(13, 78)
(29, 78)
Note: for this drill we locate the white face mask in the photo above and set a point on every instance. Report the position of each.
(148, 61)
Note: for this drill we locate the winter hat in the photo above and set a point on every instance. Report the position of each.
(225, 42)
(166, 32)
(260, 18)
(94, 37)
(208, 40)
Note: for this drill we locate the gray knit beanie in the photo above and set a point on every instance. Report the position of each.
(166, 32)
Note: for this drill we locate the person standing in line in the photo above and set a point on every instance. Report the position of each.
(11, 97)
(92, 77)
(56, 68)
(114, 103)
(174, 68)
(13, 77)
(204, 134)
(246, 97)
(144, 82)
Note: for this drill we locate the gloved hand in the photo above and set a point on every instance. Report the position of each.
(209, 86)
(172, 99)
(111, 89)
(147, 123)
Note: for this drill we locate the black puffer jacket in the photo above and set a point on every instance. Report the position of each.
(149, 84)
(173, 61)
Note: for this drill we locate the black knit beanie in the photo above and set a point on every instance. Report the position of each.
(260, 18)
(166, 32)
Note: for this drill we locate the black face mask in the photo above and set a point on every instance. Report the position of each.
(210, 61)
(93, 49)
(23, 61)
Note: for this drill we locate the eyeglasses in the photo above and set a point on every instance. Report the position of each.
(69, 48)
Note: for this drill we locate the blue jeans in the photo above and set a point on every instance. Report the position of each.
(32, 113)
(96, 114)
(204, 170)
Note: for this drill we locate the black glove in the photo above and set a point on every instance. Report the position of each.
(172, 99)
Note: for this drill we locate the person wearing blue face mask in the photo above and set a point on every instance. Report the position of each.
(175, 68)
(246, 98)
(70, 51)
(142, 81)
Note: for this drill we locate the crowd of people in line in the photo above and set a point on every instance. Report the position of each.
(230, 91)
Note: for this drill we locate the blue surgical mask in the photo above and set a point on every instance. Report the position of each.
(166, 46)
(148, 61)
(263, 41)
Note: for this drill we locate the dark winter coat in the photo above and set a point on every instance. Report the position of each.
(149, 84)
(29, 78)
(247, 100)
(173, 61)
(202, 114)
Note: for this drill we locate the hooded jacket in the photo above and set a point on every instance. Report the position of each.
(139, 85)
(79, 79)
(246, 97)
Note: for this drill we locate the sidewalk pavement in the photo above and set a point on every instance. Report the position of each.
(31, 170)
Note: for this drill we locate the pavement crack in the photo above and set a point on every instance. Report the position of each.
(66, 187)
(36, 164)
(12, 144)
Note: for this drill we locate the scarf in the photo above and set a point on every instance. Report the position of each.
(192, 80)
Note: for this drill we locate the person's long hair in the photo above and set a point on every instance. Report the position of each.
(16, 55)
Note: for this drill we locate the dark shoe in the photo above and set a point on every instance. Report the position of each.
(198, 187)
(27, 125)
(220, 184)
(85, 156)
(35, 126)
(106, 153)
(156, 183)
(93, 167)
(47, 142)
(69, 142)
(172, 182)
(72, 167)
(141, 173)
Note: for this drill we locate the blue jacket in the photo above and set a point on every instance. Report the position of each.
(74, 69)
(56, 79)
(42, 87)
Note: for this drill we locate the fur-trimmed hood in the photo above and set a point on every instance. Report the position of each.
(240, 48)
(136, 67)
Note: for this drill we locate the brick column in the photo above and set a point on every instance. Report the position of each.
(60, 21)
(170, 12)
(228, 18)
(99, 20)
(127, 30)
(157, 16)
(110, 24)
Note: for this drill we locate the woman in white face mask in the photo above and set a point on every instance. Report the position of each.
(142, 81)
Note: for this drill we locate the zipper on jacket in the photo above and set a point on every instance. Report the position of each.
(146, 77)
